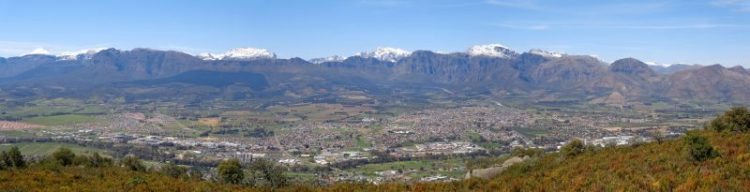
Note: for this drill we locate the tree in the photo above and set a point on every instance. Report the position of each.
(658, 136)
(573, 148)
(15, 158)
(230, 171)
(4, 160)
(737, 119)
(64, 156)
(698, 148)
(268, 172)
(133, 163)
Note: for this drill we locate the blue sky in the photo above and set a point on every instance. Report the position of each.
(661, 31)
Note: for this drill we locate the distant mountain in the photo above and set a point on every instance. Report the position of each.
(538, 75)
(631, 66)
(13, 66)
(334, 58)
(672, 68)
(711, 83)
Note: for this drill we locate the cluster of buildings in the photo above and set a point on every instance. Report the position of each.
(438, 148)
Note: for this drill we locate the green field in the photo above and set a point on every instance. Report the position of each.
(531, 132)
(60, 119)
(362, 142)
(44, 149)
(17, 133)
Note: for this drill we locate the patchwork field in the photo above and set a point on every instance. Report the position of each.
(54, 120)
(11, 125)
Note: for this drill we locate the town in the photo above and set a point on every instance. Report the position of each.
(342, 150)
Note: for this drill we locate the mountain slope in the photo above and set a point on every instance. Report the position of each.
(537, 74)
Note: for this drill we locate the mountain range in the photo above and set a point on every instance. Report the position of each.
(490, 70)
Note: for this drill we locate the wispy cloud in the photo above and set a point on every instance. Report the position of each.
(684, 26)
(524, 27)
(384, 3)
(594, 8)
(18, 48)
(519, 4)
(550, 26)
(736, 5)
(15, 48)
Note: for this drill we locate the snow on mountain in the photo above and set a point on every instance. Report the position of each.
(386, 54)
(327, 59)
(82, 54)
(491, 50)
(544, 53)
(39, 51)
(239, 54)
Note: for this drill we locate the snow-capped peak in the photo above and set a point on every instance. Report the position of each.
(239, 54)
(386, 54)
(327, 59)
(491, 50)
(39, 51)
(544, 53)
(84, 54)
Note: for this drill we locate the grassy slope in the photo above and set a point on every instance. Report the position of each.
(653, 166)
(100, 179)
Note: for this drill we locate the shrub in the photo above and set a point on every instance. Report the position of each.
(14, 158)
(522, 152)
(737, 119)
(173, 170)
(3, 163)
(698, 148)
(133, 163)
(64, 156)
(97, 160)
(573, 148)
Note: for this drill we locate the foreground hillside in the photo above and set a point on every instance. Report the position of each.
(716, 159)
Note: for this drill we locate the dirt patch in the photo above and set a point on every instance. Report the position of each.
(213, 122)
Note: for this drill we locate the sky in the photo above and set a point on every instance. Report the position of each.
(657, 31)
